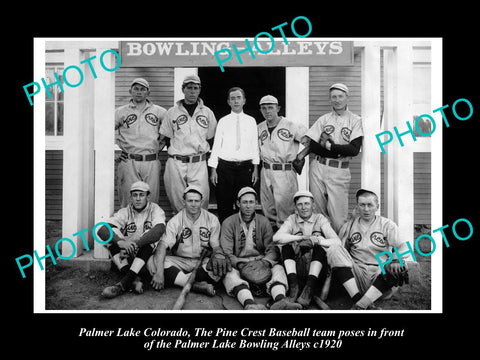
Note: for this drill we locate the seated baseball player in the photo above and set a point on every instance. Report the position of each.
(187, 233)
(354, 263)
(246, 239)
(137, 229)
(302, 240)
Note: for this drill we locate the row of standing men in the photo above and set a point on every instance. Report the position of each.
(234, 148)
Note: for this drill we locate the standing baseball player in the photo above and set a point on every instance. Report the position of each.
(334, 138)
(137, 229)
(302, 239)
(354, 263)
(187, 233)
(246, 238)
(137, 124)
(278, 140)
(188, 131)
(234, 159)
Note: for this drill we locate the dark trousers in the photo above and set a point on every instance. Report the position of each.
(232, 176)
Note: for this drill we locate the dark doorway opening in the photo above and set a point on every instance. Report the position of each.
(255, 81)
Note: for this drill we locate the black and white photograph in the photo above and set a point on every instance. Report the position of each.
(274, 190)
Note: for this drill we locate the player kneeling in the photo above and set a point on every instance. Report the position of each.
(187, 233)
(246, 239)
(354, 263)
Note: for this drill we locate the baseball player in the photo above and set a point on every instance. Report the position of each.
(234, 159)
(188, 131)
(187, 233)
(137, 124)
(246, 238)
(354, 263)
(278, 140)
(334, 138)
(302, 239)
(137, 229)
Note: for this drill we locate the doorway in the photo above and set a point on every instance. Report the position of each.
(255, 81)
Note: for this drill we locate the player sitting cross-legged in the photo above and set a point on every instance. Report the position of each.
(246, 238)
(354, 264)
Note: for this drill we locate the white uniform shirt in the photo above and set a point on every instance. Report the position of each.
(342, 128)
(189, 134)
(281, 146)
(137, 131)
(133, 224)
(224, 145)
(186, 237)
(364, 242)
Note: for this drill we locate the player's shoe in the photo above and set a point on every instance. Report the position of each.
(137, 285)
(305, 297)
(203, 287)
(113, 291)
(255, 306)
(285, 304)
(293, 292)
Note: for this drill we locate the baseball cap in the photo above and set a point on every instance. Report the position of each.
(302, 193)
(193, 188)
(268, 99)
(139, 186)
(363, 192)
(246, 190)
(339, 86)
(140, 81)
(191, 79)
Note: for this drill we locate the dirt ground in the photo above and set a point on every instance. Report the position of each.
(74, 288)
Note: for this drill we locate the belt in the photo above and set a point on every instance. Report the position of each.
(278, 166)
(235, 163)
(189, 158)
(138, 157)
(332, 162)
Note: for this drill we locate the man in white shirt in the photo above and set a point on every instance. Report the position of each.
(235, 157)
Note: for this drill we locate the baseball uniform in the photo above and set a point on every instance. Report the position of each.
(187, 153)
(186, 238)
(329, 179)
(278, 179)
(137, 136)
(361, 244)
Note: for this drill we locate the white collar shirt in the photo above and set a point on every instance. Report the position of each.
(225, 142)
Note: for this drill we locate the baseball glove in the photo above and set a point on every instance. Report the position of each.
(298, 165)
(396, 278)
(256, 272)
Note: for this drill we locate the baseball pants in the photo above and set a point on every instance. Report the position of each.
(233, 278)
(329, 187)
(178, 175)
(365, 274)
(131, 171)
(277, 188)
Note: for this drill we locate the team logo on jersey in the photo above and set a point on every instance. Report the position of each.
(355, 238)
(130, 119)
(152, 119)
(147, 225)
(204, 234)
(329, 129)
(346, 133)
(263, 136)
(284, 134)
(378, 239)
(131, 228)
(186, 233)
(202, 121)
(182, 119)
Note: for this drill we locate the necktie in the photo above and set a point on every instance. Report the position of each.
(237, 147)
